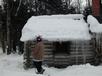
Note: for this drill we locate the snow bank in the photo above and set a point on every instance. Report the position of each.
(56, 28)
(95, 26)
(80, 70)
(12, 65)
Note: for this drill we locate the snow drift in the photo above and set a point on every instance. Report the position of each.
(12, 65)
(95, 26)
(56, 28)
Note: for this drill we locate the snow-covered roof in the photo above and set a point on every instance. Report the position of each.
(56, 28)
(95, 26)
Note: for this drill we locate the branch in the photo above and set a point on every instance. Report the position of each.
(18, 7)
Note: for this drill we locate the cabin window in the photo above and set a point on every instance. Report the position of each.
(61, 47)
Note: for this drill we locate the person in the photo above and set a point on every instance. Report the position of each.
(38, 53)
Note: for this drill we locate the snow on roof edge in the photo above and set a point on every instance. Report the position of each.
(54, 17)
(70, 16)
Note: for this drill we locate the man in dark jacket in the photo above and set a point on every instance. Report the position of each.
(38, 53)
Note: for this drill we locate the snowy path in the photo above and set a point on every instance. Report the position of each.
(11, 65)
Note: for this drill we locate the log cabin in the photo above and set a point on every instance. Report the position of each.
(66, 38)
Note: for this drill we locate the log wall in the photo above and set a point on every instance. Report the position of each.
(98, 45)
(81, 52)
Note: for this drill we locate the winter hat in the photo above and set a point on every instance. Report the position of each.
(38, 39)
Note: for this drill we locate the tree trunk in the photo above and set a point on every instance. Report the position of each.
(8, 29)
(3, 41)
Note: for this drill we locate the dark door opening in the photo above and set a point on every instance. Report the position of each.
(62, 47)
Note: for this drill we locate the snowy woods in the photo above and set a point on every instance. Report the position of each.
(15, 13)
(71, 35)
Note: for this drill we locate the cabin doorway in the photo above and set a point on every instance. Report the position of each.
(62, 47)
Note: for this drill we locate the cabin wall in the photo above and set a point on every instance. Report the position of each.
(98, 47)
(81, 52)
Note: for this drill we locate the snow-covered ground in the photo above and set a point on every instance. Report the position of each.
(12, 65)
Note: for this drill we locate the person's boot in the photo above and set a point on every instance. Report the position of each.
(42, 71)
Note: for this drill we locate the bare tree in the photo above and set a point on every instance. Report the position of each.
(8, 29)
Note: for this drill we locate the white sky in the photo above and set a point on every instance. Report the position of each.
(1, 2)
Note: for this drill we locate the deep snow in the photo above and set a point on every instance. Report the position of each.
(56, 28)
(95, 26)
(12, 65)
